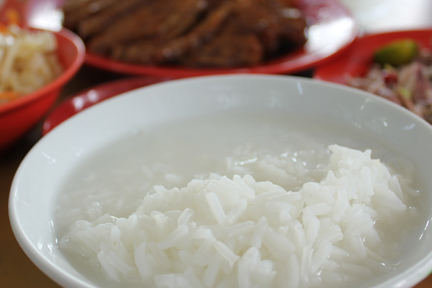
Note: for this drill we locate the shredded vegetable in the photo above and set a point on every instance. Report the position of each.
(28, 61)
(408, 85)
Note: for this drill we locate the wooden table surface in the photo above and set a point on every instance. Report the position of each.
(16, 270)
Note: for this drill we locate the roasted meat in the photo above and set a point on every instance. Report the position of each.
(199, 33)
(97, 22)
(157, 19)
(77, 10)
(227, 49)
(171, 51)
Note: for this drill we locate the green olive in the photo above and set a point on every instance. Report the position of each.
(397, 53)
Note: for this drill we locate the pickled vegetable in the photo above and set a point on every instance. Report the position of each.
(397, 53)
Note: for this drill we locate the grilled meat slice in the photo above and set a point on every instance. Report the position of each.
(96, 23)
(161, 51)
(242, 31)
(276, 29)
(72, 5)
(227, 49)
(215, 32)
(76, 11)
(214, 4)
(158, 19)
(292, 31)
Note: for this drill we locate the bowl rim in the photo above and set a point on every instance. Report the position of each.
(407, 278)
(67, 109)
(56, 83)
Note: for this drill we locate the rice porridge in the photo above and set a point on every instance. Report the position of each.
(241, 202)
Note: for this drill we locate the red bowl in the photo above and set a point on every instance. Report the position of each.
(357, 60)
(92, 96)
(18, 116)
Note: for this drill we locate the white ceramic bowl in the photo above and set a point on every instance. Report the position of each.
(351, 112)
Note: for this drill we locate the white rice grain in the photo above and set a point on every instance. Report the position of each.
(212, 271)
(216, 207)
(174, 237)
(239, 232)
(226, 252)
(141, 260)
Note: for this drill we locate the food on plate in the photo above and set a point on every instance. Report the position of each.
(297, 215)
(28, 61)
(397, 53)
(402, 73)
(196, 33)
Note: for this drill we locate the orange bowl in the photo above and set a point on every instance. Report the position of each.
(20, 115)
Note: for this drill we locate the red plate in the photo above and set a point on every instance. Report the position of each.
(356, 60)
(332, 29)
(92, 96)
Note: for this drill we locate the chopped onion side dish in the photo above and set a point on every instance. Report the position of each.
(408, 85)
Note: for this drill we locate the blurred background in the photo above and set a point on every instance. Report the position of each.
(388, 15)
